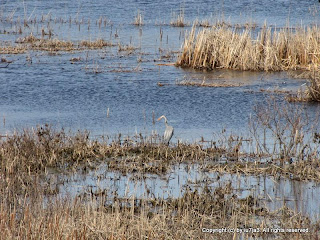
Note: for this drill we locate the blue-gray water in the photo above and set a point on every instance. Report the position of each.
(52, 90)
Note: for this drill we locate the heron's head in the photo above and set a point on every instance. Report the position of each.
(163, 116)
(160, 118)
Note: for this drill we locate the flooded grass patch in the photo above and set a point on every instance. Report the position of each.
(192, 214)
(99, 43)
(31, 42)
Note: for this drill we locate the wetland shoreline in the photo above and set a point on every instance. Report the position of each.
(99, 212)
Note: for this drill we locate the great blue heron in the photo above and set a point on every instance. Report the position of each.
(168, 133)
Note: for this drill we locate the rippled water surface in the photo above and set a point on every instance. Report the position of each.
(52, 90)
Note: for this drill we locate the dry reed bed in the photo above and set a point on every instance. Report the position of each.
(265, 50)
(132, 218)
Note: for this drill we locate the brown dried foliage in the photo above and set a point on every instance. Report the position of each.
(242, 49)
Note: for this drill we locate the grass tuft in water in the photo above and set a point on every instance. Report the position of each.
(269, 49)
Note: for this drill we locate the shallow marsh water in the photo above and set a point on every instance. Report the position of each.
(41, 87)
(272, 192)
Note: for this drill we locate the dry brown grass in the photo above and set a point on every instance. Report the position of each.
(35, 150)
(53, 45)
(300, 171)
(18, 49)
(243, 49)
(155, 218)
(31, 42)
(29, 210)
(99, 43)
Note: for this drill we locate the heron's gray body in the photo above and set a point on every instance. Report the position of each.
(168, 133)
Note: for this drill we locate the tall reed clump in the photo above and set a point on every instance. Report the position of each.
(244, 49)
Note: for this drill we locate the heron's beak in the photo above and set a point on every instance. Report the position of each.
(159, 119)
